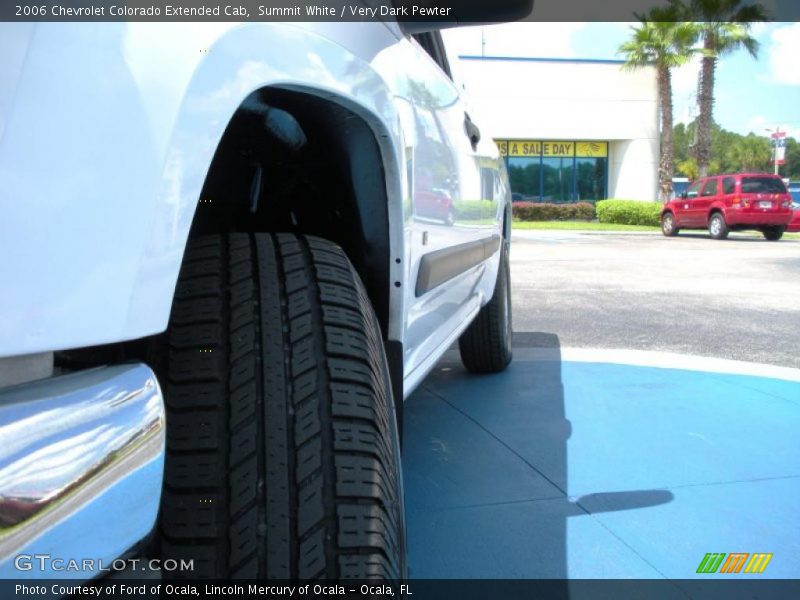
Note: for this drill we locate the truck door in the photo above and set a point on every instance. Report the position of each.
(728, 191)
(702, 204)
(687, 213)
(456, 198)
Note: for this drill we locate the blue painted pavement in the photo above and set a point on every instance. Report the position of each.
(594, 470)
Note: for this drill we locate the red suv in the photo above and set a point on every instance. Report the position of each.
(725, 203)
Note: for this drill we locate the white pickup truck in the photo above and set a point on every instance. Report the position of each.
(229, 251)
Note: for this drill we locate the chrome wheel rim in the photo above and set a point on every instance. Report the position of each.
(667, 224)
(715, 226)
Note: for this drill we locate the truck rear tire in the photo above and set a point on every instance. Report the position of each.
(773, 234)
(283, 456)
(485, 345)
(717, 227)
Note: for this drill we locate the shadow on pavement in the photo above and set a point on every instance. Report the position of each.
(486, 475)
(732, 238)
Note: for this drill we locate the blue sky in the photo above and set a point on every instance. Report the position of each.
(751, 94)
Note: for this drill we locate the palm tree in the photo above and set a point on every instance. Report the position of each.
(724, 27)
(661, 41)
(688, 167)
(750, 153)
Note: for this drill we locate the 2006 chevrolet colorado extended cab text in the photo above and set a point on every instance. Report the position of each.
(222, 274)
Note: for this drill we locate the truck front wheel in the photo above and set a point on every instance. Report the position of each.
(485, 345)
(283, 458)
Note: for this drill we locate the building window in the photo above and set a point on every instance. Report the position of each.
(556, 171)
(557, 179)
(591, 178)
(524, 176)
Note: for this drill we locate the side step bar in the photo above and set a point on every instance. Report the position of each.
(81, 468)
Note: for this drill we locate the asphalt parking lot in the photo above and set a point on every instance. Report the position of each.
(738, 298)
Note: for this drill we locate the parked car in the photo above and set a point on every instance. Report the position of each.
(218, 290)
(794, 192)
(435, 203)
(734, 202)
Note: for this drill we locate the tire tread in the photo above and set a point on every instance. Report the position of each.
(282, 459)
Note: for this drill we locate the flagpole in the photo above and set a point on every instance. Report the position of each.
(777, 141)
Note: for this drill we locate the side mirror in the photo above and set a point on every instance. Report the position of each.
(419, 16)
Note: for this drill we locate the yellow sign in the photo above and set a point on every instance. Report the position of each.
(540, 148)
(557, 148)
(591, 149)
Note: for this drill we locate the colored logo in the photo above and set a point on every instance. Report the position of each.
(736, 562)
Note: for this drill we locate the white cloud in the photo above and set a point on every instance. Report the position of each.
(759, 29)
(684, 90)
(757, 124)
(783, 62)
(684, 79)
(544, 40)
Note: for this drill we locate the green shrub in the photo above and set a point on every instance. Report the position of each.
(470, 210)
(629, 212)
(584, 211)
(545, 211)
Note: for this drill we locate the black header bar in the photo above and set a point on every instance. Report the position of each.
(442, 12)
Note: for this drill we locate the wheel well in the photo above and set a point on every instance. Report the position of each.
(292, 161)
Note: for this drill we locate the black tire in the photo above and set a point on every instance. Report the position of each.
(717, 227)
(485, 345)
(668, 225)
(283, 457)
(773, 234)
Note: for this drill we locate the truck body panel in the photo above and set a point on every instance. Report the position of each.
(107, 136)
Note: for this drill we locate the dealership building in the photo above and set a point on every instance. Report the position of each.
(570, 130)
